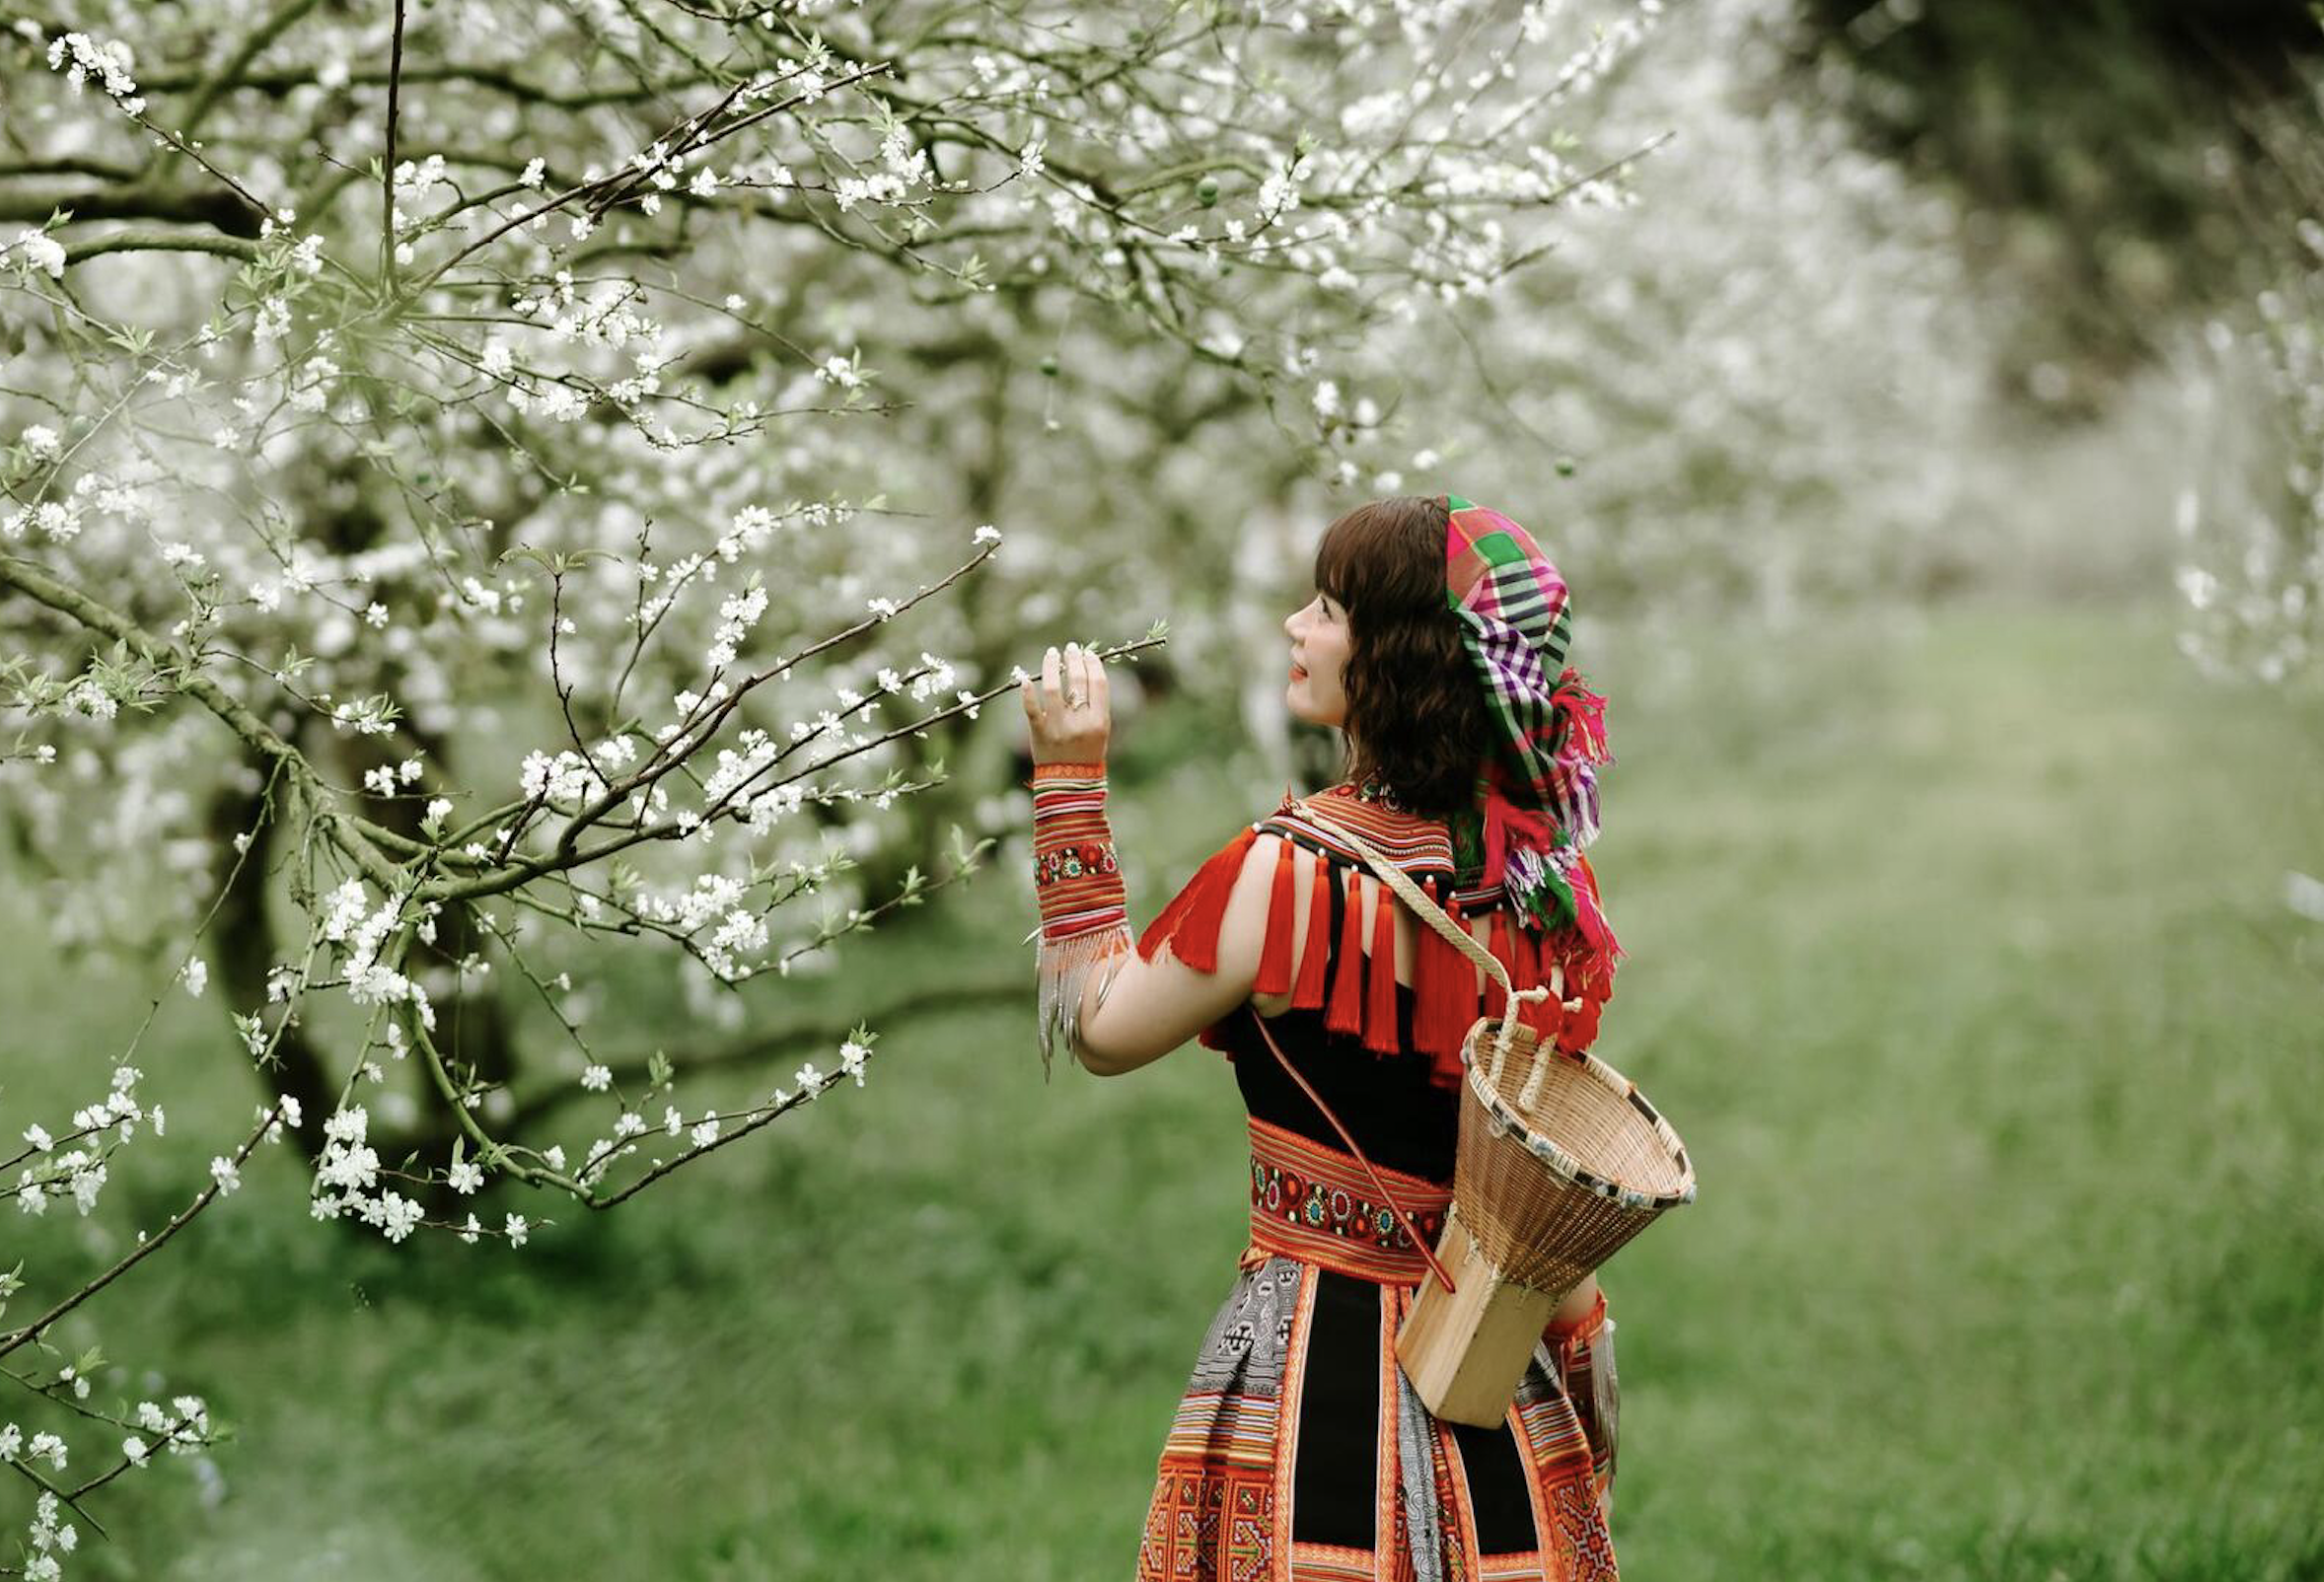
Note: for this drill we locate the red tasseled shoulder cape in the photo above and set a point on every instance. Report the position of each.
(1353, 979)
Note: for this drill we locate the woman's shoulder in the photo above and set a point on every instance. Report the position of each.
(1424, 847)
(1416, 843)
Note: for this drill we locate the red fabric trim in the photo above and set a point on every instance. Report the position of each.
(1433, 984)
(1189, 925)
(1316, 955)
(1275, 957)
(1545, 1016)
(1525, 972)
(1495, 1001)
(1345, 1011)
(1579, 1028)
(1591, 910)
(1380, 1003)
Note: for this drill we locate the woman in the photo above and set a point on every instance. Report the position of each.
(1434, 643)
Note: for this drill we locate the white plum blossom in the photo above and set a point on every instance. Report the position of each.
(851, 1058)
(39, 250)
(398, 1215)
(110, 63)
(736, 616)
(563, 782)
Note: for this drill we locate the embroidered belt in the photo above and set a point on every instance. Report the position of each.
(1318, 1205)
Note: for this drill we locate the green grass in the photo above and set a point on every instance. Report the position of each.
(1959, 956)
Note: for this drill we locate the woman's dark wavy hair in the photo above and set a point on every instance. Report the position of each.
(1416, 720)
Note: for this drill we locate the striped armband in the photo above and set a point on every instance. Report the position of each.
(1076, 879)
(1077, 885)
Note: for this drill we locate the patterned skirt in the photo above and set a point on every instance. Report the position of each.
(1301, 1454)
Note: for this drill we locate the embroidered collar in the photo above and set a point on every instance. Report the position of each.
(1414, 843)
(1371, 789)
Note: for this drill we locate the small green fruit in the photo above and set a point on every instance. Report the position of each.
(1048, 366)
(1207, 190)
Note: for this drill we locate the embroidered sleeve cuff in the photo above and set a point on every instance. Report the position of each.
(1077, 883)
(1076, 877)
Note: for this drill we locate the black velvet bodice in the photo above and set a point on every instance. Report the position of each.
(1399, 1117)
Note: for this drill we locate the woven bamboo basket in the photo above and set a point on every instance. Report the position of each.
(1560, 1161)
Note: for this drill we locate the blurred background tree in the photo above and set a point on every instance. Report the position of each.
(2094, 146)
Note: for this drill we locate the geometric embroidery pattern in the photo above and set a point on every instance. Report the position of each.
(1210, 1524)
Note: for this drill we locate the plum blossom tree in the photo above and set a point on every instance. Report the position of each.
(491, 487)
(1762, 391)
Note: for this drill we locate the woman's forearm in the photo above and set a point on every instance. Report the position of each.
(1579, 1303)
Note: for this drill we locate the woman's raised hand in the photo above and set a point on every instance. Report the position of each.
(1068, 707)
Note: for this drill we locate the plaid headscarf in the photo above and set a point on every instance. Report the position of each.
(1538, 793)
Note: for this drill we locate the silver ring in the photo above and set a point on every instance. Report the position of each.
(1074, 700)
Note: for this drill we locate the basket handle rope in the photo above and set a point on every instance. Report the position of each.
(1466, 943)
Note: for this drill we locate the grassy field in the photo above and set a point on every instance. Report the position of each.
(1959, 956)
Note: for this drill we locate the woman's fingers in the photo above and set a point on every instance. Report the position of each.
(1067, 675)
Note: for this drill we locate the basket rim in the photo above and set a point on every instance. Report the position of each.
(1564, 1164)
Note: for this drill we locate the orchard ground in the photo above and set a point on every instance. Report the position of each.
(1960, 957)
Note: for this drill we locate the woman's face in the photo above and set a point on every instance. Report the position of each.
(1319, 653)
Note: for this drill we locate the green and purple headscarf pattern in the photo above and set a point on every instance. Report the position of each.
(1538, 793)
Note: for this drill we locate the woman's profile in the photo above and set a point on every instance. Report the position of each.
(1436, 642)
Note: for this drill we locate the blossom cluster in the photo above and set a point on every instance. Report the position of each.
(73, 1163)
